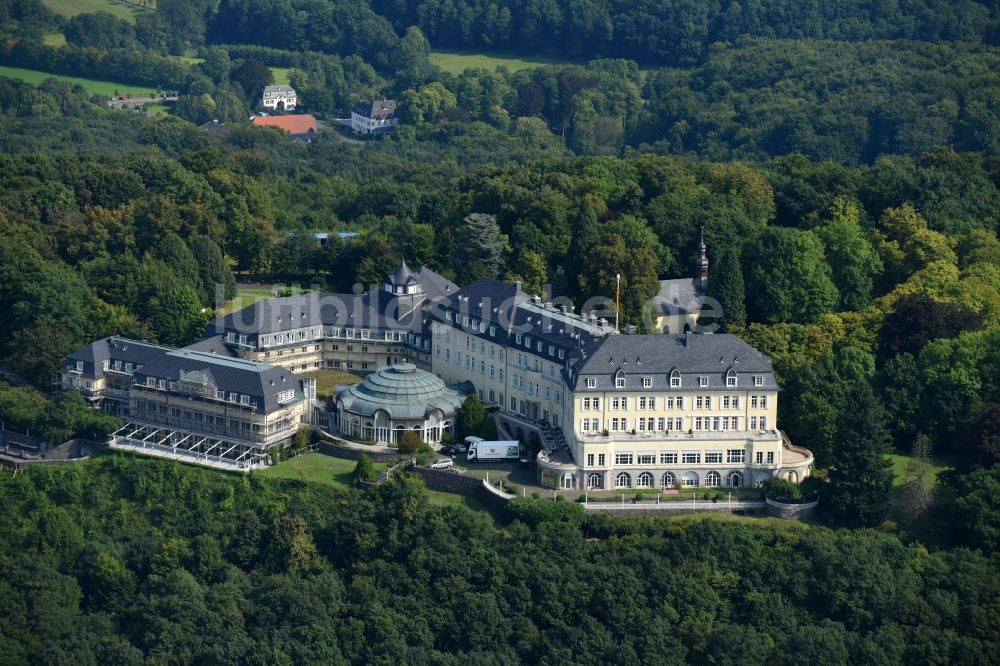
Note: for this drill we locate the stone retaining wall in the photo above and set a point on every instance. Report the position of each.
(791, 511)
(459, 484)
(631, 511)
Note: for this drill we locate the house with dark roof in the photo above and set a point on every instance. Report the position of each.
(375, 117)
(279, 98)
(356, 332)
(199, 404)
(611, 411)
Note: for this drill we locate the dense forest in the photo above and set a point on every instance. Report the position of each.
(841, 158)
(130, 561)
(831, 80)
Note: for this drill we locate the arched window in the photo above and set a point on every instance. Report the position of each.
(623, 480)
(668, 480)
(595, 481)
(735, 480)
(731, 378)
(645, 480)
(690, 479)
(620, 379)
(712, 480)
(675, 378)
(792, 476)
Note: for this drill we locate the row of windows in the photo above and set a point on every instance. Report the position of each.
(671, 424)
(675, 380)
(733, 457)
(317, 333)
(651, 402)
(667, 480)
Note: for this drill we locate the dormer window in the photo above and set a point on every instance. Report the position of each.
(702, 381)
(591, 382)
(619, 379)
(731, 378)
(675, 379)
(758, 380)
(647, 382)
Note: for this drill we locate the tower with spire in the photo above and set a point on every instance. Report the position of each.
(701, 276)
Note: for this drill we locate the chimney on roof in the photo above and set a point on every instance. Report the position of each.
(630, 329)
(517, 285)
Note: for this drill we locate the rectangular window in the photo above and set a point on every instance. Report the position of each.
(702, 381)
(647, 382)
(675, 382)
(736, 456)
(591, 382)
(763, 423)
(770, 457)
(760, 458)
(647, 458)
(763, 402)
(600, 460)
(731, 381)
(619, 382)
(590, 460)
(725, 402)
(758, 380)
(668, 458)
(661, 423)
(691, 457)
(623, 458)
(736, 402)
(713, 457)
(753, 423)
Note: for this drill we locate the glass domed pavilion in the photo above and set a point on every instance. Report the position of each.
(394, 399)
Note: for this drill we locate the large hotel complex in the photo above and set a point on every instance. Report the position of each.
(604, 410)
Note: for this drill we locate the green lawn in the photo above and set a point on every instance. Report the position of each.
(899, 463)
(70, 8)
(246, 297)
(93, 86)
(53, 39)
(316, 468)
(327, 379)
(456, 62)
(280, 75)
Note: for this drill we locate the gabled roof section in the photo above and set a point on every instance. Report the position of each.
(297, 124)
(658, 356)
(376, 110)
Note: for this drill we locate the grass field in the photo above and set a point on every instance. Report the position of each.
(245, 297)
(93, 86)
(899, 463)
(53, 39)
(456, 62)
(123, 10)
(280, 74)
(316, 468)
(327, 379)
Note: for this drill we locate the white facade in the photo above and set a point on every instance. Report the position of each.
(279, 98)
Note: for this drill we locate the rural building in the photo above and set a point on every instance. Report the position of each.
(374, 117)
(297, 127)
(279, 98)
(680, 301)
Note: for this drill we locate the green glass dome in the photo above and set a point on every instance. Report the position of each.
(401, 390)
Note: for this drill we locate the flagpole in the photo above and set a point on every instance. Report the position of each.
(618, 289)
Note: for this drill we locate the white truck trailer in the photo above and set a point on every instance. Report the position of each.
(499, 451)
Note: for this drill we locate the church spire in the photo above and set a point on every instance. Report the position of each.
(701, 278)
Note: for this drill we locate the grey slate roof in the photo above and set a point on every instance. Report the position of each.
(657, 356)
(377, 110)
(402, 391)
(281, 89)
(212, 344)
(368, 310)
(112, 349)
(679, 296)
(260, 381)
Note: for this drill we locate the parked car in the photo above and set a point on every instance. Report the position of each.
(460, 448)
(441, 463)
(449, 450)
